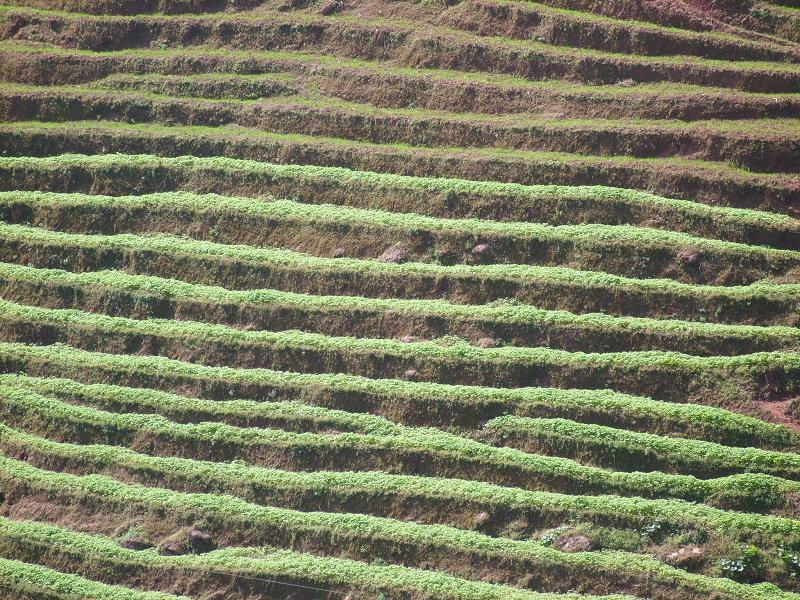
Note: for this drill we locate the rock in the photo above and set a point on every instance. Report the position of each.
(487, 342)
(330, 8)
(200, 540)
(482, 518)
(411, 374)
(394, 254)
(481, 253)
(481, 249)
(173, 546)
(689, 256)
(135, 542)
(686, 557)
(573, 543)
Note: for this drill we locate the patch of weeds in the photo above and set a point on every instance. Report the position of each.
(791, 559)
(656, 530)
(747, 567)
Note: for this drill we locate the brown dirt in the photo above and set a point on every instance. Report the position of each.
(775, 193)
(374, 86)
(426, 244)
(674, 384)
(562, 209)
(373, 41)
(778, 411)
(465, 289)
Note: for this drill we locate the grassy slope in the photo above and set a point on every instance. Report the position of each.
(302, 433)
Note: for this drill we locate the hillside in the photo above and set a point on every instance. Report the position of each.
(400, 299)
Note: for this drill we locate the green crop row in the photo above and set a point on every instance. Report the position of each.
(290, 568)
(524, 324)
(732, 220)
(451, 401)
(733, 223)
(387, 225)
(337, 488)
(34, 581)
(289, 415)
(457, 453)
(433, 359)
(644, 450)
(377, 533)
(549, 286)
(764, 129)
(709, 181)
(625, 447)
(588, 282)
(700, 167)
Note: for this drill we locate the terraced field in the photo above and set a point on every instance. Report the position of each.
(447, 300)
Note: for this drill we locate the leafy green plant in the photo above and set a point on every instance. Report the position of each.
(745, 567)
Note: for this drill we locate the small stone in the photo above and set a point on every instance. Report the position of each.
(394, 254)
(481, 253)
(573, 543)
(482, 518)
(411, 374)
(135, 542)
(482, 248)
(686, 557)
(676, 554)
(689, 256)
(172, 546)
(201, 541)
(330, 8)
(487, 342)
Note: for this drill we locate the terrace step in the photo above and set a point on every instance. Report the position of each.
(454, 502)
(761, 146)
(212, 72)
(445, 198)
(326, 230)
(518, 20)
(137, 296)
(252, 570)
(249, 268)
(411, 403)
(712, 183)
(325, 432)
(454, 551)
(717, 381)
(383, 39)
(25, 581)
